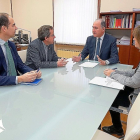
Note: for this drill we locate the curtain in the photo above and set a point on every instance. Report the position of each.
(73, 20)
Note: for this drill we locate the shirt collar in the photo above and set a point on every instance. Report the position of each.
(2, 42)
(44, 44)
(102, 37)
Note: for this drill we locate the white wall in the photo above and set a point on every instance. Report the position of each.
(5, 6)
(123, 5)
(32, 14)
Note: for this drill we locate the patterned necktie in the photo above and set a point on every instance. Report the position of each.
(11, 64)
(97, 49)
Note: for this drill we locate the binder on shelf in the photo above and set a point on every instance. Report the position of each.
(107, 21)
(130, 22)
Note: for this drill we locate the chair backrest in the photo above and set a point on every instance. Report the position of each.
(133, 121)
(22, 55)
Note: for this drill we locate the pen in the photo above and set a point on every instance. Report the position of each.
(114, 68)
(38, 70)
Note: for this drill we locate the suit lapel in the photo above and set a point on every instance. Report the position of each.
(105, 40)
(42, 50)
(2, 59)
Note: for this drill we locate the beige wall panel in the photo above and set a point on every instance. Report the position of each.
(31, 14)
(123, 5)
(5, 6)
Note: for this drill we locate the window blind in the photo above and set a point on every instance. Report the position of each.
(73, 20)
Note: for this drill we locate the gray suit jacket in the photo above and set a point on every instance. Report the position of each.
(128, 78)
(36, 57)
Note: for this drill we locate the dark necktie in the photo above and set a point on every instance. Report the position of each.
(137, 67)
(97, 49)
(11, 64)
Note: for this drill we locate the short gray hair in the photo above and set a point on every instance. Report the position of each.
(44, 31)
(103, 25)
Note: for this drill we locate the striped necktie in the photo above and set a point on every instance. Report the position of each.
(11, 64)
(97, 49)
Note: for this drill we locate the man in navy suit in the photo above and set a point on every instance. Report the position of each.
(7, 31)
(106, 53)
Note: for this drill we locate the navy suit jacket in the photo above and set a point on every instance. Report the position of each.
(108, 49)
(19, 65)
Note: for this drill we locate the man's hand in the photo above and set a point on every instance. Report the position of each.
(102, 62)
(108, 72)
(61, 62)
(76, 58)
(39, 74)
(27, 77)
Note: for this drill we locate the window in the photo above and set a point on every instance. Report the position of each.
(73, 20)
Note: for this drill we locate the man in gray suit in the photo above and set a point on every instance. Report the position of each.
(40, 53)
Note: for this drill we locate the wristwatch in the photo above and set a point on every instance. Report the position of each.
(107, 62)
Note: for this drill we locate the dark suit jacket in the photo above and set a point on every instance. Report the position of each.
(108, 49)
(19, 65)
(36, 56)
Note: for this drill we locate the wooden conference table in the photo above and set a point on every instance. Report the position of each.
(64, 106)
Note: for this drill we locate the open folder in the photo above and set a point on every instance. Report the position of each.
(107, 82)
(34, 83)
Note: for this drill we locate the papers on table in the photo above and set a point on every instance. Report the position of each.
(107, 82)
(88, 64)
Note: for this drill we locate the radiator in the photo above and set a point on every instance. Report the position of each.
(67, 53)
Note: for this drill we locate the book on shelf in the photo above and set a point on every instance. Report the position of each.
(118, 21)
(130, 22)
(107, 21)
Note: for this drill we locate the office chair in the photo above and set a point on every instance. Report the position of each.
(133, 125)
(125, 110)
(22, 55)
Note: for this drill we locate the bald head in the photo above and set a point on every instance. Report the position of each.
(98, 28)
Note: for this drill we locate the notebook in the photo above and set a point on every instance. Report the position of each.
(34, 83)
(106, 82)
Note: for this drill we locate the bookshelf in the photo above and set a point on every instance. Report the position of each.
(120, 24)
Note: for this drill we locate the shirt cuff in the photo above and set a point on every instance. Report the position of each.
(16, 80)
(107, 62)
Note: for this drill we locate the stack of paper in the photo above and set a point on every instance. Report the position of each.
(137, 23)
(106, 82)
(136, 9)
(125, 40)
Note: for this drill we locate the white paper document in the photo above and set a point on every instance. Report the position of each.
(107, 82)
(88, 64)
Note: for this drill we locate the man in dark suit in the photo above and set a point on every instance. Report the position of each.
(10, 62)
(41, 52)
(100, 47)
